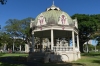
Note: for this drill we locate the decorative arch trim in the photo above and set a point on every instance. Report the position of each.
(63, 20)
(41, 20)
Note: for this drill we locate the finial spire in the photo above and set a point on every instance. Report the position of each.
(53, 3)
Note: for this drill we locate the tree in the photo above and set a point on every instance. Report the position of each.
(96, 35)
(18, 29)
(3, 2)
(87, 26)
(5, 39)
(12, 28)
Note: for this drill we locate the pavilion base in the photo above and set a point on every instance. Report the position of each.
(36, 57)
(59, 56)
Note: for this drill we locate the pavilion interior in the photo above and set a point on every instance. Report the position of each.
(56, 34)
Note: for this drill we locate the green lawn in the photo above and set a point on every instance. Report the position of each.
(12, 54)
(90, 59)
(87, 59)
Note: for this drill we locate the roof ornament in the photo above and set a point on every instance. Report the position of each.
(53, 7)
(53, 3)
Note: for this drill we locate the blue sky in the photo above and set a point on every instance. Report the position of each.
(20, 9)
(94, 42)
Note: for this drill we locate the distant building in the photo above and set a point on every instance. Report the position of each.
(89, 42)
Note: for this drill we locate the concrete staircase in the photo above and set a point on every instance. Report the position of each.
(36, 57)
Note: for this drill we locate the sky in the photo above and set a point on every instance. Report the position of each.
(20, 9)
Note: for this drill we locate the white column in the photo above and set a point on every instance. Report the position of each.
(5, 46)
(20, 47)
(77, 41)
(13, 44)
(52, 41)
(26, 48)
(73, 40)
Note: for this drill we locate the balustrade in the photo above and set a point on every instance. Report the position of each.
(63, 48)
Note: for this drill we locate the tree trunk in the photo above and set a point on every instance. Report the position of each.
(81, 47)
(87, 47)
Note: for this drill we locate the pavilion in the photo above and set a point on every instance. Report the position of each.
(60, 31)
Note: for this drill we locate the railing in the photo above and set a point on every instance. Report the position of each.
(56, 48)
(43, 50)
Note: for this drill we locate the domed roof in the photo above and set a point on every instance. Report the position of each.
(53, 15)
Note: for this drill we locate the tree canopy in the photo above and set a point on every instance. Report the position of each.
(88, 25)
(18, 30)
(3, 2)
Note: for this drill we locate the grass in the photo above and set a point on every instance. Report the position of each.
(13, 57)
(7, 64)
(12, 54)
(90, 59)
(87, 59)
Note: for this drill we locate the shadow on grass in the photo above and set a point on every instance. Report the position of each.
(22, 61)
(16, 61)
(96, 61)
(6, 64)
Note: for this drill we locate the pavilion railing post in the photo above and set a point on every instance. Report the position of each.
(52, 39)
(77, 41)
(73, 40)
